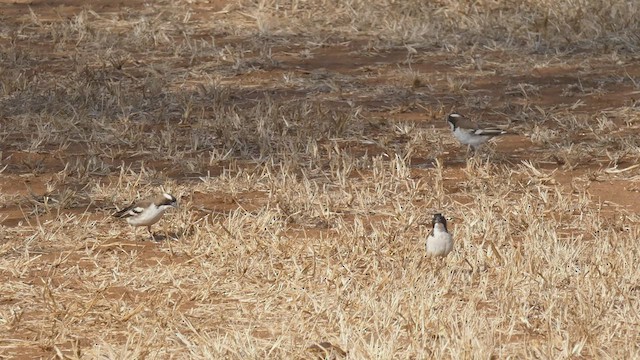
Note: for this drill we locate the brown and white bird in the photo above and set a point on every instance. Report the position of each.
(148, 211)
(470, 133)
(439, 241)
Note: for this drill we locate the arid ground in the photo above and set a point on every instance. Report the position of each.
(306, 142)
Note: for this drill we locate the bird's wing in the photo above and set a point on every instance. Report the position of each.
(133, 209)
(465, 123)
(473, 128)
(492, 131)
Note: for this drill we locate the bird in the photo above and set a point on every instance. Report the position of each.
(148, 211)
(439, 241)
(469, 133)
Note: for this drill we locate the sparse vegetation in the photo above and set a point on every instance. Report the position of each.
(306, 143)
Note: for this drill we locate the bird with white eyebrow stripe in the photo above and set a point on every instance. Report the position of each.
(470, 133)
(148, 211)
(439, 241)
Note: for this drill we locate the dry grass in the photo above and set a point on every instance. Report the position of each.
(306, 143)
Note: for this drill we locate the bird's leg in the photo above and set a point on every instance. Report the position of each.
(150, 233)
(466, 155)
(475, 150)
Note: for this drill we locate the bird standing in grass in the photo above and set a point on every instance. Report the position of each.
(148, 211)
(439, 241)
(470, 133)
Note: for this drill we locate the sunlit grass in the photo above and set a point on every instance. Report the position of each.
(307, 146)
